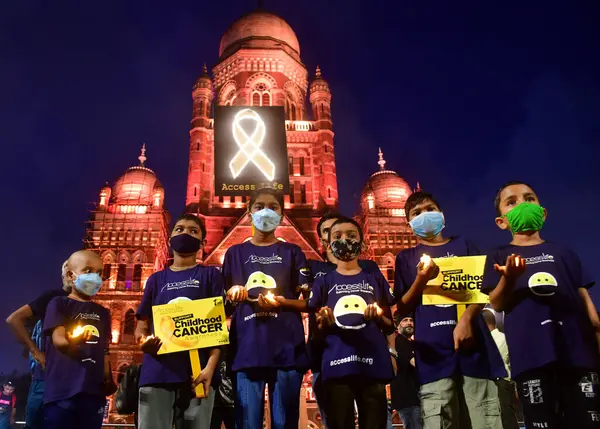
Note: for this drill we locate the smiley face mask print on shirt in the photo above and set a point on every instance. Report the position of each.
(349, 312)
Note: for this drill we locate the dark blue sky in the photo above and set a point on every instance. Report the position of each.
(461, 97)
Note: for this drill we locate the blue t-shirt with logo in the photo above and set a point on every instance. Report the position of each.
(164, 287)
(315, 346)
(82, 372)
(548, 322)
(354, 347)
(267, 338)
(434, 324)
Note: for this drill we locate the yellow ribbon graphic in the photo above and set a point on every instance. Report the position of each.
(250, 145)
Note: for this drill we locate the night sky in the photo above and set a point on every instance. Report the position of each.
(461, 98)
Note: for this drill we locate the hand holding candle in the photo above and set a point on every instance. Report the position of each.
(79, 335)
(237, 294)
(373, 311)
(427, 269)
(269, 300)
(514, 267)
(150, 344)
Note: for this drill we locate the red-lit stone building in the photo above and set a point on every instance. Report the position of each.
(259, 64)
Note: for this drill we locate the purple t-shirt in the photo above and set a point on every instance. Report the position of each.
(163, 287)
(548, 322)
(353, 345)
(274, 338)
(434, 324)
(83, 372)
(38, 308)
(315, 346)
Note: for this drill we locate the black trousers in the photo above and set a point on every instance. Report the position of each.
(558, 397)
(370, 400)
(224, 415)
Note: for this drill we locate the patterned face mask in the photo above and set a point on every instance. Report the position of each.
(345, 250)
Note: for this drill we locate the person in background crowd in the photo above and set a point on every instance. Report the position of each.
(166, 383)
(354, 315)
(318, 269)
(36, 309)
(405, 387)
(455, 359)
(8, 409)
(550, 321)
(267, 339)
(223, 411)
(78, 373)
(506, 388)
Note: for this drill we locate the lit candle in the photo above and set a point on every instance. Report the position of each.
(270, 297)
(426, 260)
(78, 331)
(517, 260)
(149, 337)
(378, 308)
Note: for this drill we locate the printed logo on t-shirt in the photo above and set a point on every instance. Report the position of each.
(265, 260)
(319, 274)
(181, 284)
(542, 284)
(349, 312)
(539, 259)
(532, 391)
(259, 283)
(88, 316)
(587, 385)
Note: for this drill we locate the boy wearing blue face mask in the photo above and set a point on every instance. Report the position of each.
(456, 360)
(78, 374)
(550, 321)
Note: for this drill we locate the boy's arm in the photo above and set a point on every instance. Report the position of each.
(409, 301)
(463, 333)
(591, 311)
(501, 295)
(206, 375)
(16, 322)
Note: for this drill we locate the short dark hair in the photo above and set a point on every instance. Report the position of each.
(344, 219)
(497, 200)
(327, 216)
(266, 191)
(416, 199)
(193, 218)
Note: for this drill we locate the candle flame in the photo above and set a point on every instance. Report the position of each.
(144, 339)
(78, 331)
(426, 260)
(270, 297)
(517, 260)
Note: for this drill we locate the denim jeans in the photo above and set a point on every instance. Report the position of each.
(317, 386)
(411, 417)
(284, 398)
(34, 412)
(80, 411)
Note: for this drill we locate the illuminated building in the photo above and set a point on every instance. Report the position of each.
(259, 65)
(383, 218)
(128, 228)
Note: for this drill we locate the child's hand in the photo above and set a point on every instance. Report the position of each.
(237, 294)
(515, 267)
(463, 334)
(325, 318)
(428, 272)
(151, 345)
(269, 301)
(204, 379)
(79, 339)
(373, 312)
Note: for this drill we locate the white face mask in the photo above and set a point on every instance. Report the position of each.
(266, 220)
(88, 283)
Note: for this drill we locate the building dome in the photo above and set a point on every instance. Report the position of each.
(259, 25)
(136, 185)
(385, 189)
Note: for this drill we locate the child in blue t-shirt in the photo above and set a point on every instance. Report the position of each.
(166, 380)
(457, 361)
(78, 374)
(354, 315)
(264, 277)
(550, 321)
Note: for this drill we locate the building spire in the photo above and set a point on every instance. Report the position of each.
(142, 157)
(204, 70)
(318, 72)
(381, 161)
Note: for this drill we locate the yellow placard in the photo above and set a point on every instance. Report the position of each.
(188, 325)
(459, 282)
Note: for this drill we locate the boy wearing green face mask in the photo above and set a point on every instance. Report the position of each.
(550, 321)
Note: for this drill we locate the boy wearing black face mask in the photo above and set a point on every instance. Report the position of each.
(78, 374)
(353, 317)
(166, 380)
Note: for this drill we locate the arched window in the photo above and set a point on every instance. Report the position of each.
(203, 167)
(302, 166)
(195, 191)
(325, 147)
(202, 107)
(256, 99)
(129, 323)
(328, 192)
(198, 146)
(137, 276)
(292, 199)
(266, 99)
(293, 112)
(106, 272)
(291, 161)
(322, 110)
